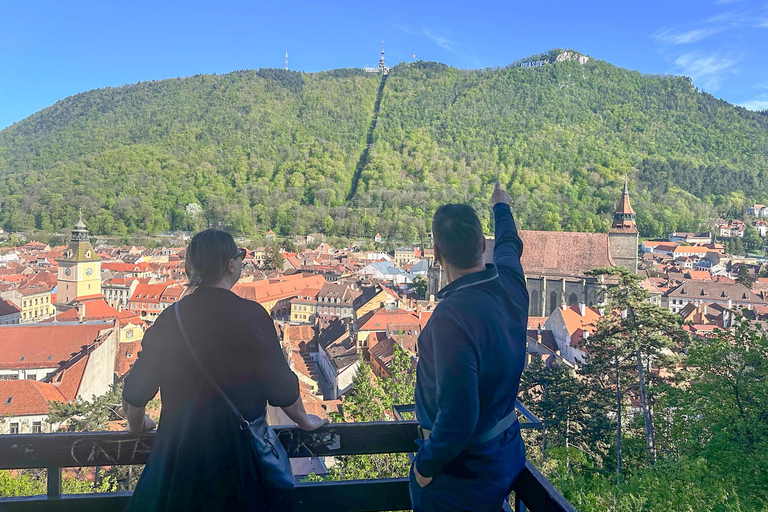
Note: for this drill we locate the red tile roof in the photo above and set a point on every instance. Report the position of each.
(45, 278)
(379, 319)
(119, 266)
(68, 379)
(28, 397)
(95, 308)
(534, 322)
(559, 252)
(44, 345)
(8, 308)
(270, 290)
(126, 356)
(149, 293)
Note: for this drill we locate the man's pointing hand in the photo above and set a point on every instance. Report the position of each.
(499, 195)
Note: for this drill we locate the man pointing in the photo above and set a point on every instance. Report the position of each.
(471, 355)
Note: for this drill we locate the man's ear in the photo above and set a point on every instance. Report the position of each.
(437, 254)
(231, 266)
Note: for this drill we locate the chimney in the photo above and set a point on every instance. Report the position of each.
(563, 306)
(730, 303)
(582, 309)
(705, 310)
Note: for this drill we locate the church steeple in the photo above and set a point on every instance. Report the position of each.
(623, 238)
(624, 216)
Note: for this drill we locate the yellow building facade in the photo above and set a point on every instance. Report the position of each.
(35, 305)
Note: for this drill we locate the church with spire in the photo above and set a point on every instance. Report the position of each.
(556, 262)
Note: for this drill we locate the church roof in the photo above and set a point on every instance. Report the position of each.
(624, 206)
(560, 252)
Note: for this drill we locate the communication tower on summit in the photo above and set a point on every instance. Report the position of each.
(383, 69)
(286, 61)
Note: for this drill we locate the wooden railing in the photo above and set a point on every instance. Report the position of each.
(63, 450)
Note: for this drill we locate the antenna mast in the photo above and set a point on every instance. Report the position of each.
(286, 61)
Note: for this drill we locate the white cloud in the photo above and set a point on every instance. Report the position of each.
(439, 40)
(686, 37)
(760, 102)
(707, 68)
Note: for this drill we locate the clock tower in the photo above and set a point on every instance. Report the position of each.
(79, 268)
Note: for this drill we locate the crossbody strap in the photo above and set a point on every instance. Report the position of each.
(506, 422)
(232, 406)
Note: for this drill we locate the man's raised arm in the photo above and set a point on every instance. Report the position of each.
(508, 247)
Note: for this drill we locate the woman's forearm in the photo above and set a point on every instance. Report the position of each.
(135, 417)
(297, 413)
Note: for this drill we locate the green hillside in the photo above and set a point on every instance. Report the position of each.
(284, 150)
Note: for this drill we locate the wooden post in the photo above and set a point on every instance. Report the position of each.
(54, 482)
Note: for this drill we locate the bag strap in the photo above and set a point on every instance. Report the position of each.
(232, 406)
(506, 422)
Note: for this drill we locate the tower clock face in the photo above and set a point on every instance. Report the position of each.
(67, 271)
(88, 271)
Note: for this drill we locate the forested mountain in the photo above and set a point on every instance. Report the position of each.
(253, 150)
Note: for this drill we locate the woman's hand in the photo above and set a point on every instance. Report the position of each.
(147, 425)
(312, 422)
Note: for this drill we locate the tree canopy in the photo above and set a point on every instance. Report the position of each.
(273, 149)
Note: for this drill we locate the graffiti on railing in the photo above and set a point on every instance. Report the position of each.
(85, 451)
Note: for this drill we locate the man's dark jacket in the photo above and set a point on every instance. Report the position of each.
(471, 355)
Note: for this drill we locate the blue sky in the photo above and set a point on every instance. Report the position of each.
(51, 50)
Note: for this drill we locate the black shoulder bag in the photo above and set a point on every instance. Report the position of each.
(269, 452)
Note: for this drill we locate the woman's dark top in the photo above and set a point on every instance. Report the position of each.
(195, 456)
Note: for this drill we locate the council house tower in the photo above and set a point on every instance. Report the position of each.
(79, 268)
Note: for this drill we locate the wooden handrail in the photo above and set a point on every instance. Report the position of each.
(55, 451)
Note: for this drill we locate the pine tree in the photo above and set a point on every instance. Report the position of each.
(400, 386)
(630, 343)
(366, 401)
(743, 276)
(572, 413)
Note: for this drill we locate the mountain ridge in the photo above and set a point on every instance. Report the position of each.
(270, 148)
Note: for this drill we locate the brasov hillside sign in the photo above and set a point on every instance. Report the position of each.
(534, 64)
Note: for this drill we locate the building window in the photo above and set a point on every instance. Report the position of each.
(37, 427)
(31, 376)
(129, 334)
(14, 428)
(9, 400)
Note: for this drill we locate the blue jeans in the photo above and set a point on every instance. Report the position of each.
(478, 483)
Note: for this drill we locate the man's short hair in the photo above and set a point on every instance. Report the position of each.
(458, 235)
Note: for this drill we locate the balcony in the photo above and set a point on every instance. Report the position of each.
(56, 451)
